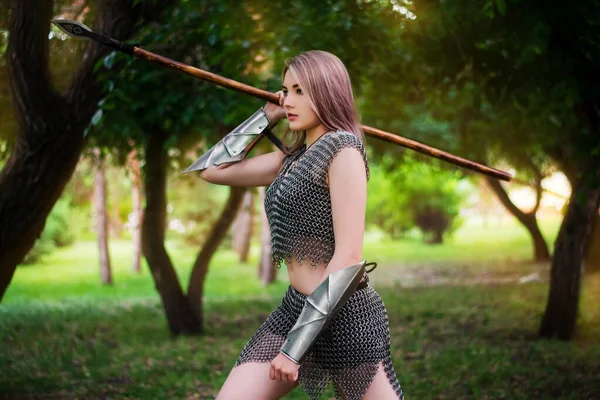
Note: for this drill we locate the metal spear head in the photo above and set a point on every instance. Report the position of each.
(73, 28)
(78, 30)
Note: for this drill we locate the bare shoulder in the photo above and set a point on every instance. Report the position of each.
(348, 156)
(347, 164)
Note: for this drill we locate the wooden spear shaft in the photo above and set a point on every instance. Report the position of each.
(79, 30)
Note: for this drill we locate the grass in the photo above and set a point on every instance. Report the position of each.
(65, 336)
(72, 273)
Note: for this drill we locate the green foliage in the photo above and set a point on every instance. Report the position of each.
(143, 98)
(3, 44)
(63, 226)
(417, 194)
(384, 204)
(358, 32)
(243, 41)
(537, 67)
(43, 246)
(194, 206)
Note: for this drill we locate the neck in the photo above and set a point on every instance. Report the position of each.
(313, 134)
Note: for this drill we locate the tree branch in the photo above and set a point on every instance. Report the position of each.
(120, 20)
(27, 59)
(496, 186)
(539, 190)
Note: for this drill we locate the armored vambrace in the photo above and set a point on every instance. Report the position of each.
(237, 144)
(320, 308)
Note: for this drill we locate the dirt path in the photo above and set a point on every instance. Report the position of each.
(449, 274)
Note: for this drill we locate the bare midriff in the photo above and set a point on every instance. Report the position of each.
(305, 278)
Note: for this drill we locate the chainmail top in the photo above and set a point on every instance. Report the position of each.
(348, 354)
(298, 205)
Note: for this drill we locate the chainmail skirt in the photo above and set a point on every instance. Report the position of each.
(347, 354)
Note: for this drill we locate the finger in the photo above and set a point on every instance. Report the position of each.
(271, 373)
(290, 377)
(278, 376)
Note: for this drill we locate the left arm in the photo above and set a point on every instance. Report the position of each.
(348, 190)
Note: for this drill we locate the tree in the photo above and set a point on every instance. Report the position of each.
(267, 271)
(50, 135)
(168, 122)
(243, 227)
(592, 261)
(184, 312)
(101, 215)
(138, 212)
(454, 118)
(537, 63)
(528, 219)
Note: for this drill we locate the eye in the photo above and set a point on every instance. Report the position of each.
(299, 91)
(285, 92)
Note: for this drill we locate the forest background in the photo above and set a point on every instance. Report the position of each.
(122, 277)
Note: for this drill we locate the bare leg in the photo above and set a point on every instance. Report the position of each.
(250, 381)
(380, 388)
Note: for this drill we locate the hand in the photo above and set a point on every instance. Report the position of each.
(283, 369)
(275, 112)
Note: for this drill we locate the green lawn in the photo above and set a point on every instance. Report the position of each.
(66, 336)
(72, 273)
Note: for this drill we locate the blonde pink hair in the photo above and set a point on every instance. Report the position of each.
(325, 80)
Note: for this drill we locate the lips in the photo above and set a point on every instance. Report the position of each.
(291, 117)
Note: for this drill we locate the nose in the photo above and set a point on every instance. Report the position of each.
(287, 102)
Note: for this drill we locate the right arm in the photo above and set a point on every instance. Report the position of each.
(254, 171)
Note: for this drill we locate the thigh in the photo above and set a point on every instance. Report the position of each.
(250, 381)
(381, 388)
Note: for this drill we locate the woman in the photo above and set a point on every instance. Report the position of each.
(315, 204)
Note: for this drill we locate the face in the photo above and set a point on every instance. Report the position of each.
(299, 111)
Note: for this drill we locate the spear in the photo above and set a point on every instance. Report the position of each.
(78, 30)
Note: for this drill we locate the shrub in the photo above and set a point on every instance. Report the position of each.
(415, 194)
(63, 225)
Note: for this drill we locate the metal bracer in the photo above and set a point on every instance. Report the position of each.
(320, 308)
(235, 146)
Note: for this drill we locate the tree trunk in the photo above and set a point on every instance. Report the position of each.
(592, 259)
(528, 220)
(180, 317)
(267, 272)
(102, 220)
(243, 227)
(565, 282)
(218, 232)
(136, 194)
(438, 237)
(50, 136)
(115, 224)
